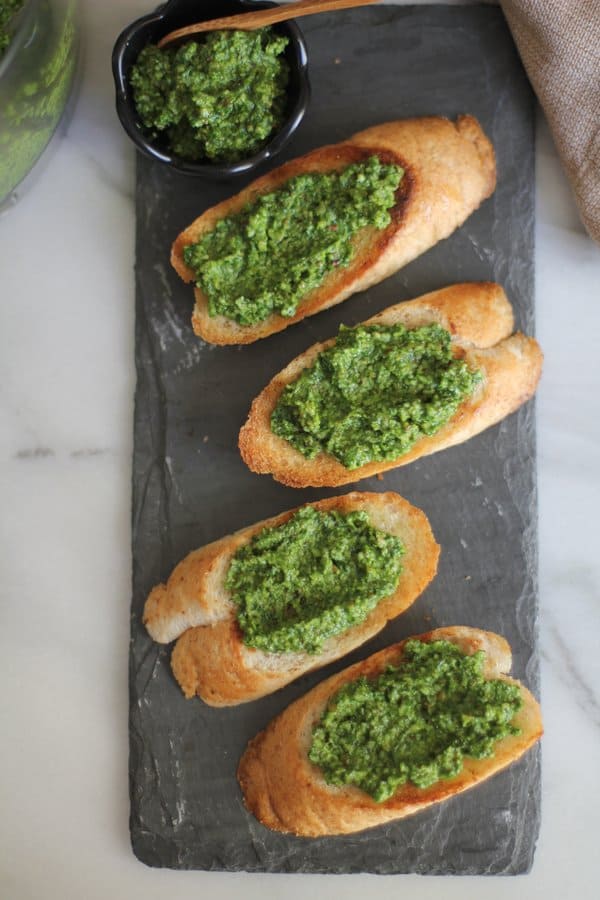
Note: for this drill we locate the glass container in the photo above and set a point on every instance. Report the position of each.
(37, 73)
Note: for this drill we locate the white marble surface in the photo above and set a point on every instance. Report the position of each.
(66, 272)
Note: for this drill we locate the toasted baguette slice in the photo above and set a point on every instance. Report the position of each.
(480, 320)
(449, 170)
(211, 659)
(286, 792)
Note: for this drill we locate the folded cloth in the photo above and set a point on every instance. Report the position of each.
(559, 43)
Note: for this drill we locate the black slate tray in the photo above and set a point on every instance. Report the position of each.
(190, 486)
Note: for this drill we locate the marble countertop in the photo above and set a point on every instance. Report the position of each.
(66, 260)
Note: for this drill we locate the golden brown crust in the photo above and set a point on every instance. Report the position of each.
(479, 317)
(185, 600)
(212, 661)
(450, 169)
(287, 793)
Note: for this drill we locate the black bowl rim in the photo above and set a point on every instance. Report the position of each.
(124, 103)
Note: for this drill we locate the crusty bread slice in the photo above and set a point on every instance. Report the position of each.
(286, 792)
(480, 320)
(449, 168)
(211, 659)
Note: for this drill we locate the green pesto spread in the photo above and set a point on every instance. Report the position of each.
(416, 722)
(8, 9)
(318, 574)
(268, 257)
(373, 394)
(219, 98)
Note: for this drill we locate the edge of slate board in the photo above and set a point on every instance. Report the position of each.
(487, 486)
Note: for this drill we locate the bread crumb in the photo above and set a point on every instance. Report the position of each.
(205, 439)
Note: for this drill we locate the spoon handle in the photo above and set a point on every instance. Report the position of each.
(261, 17)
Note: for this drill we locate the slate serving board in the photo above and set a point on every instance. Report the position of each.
(190, 485)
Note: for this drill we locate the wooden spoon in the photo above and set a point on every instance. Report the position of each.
(251, 20)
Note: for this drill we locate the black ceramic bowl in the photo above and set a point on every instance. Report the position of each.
(176, 14)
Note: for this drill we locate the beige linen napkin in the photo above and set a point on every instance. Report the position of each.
(559, 43)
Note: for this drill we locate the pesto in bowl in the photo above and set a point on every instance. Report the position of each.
(220, 97)
(287, 112)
